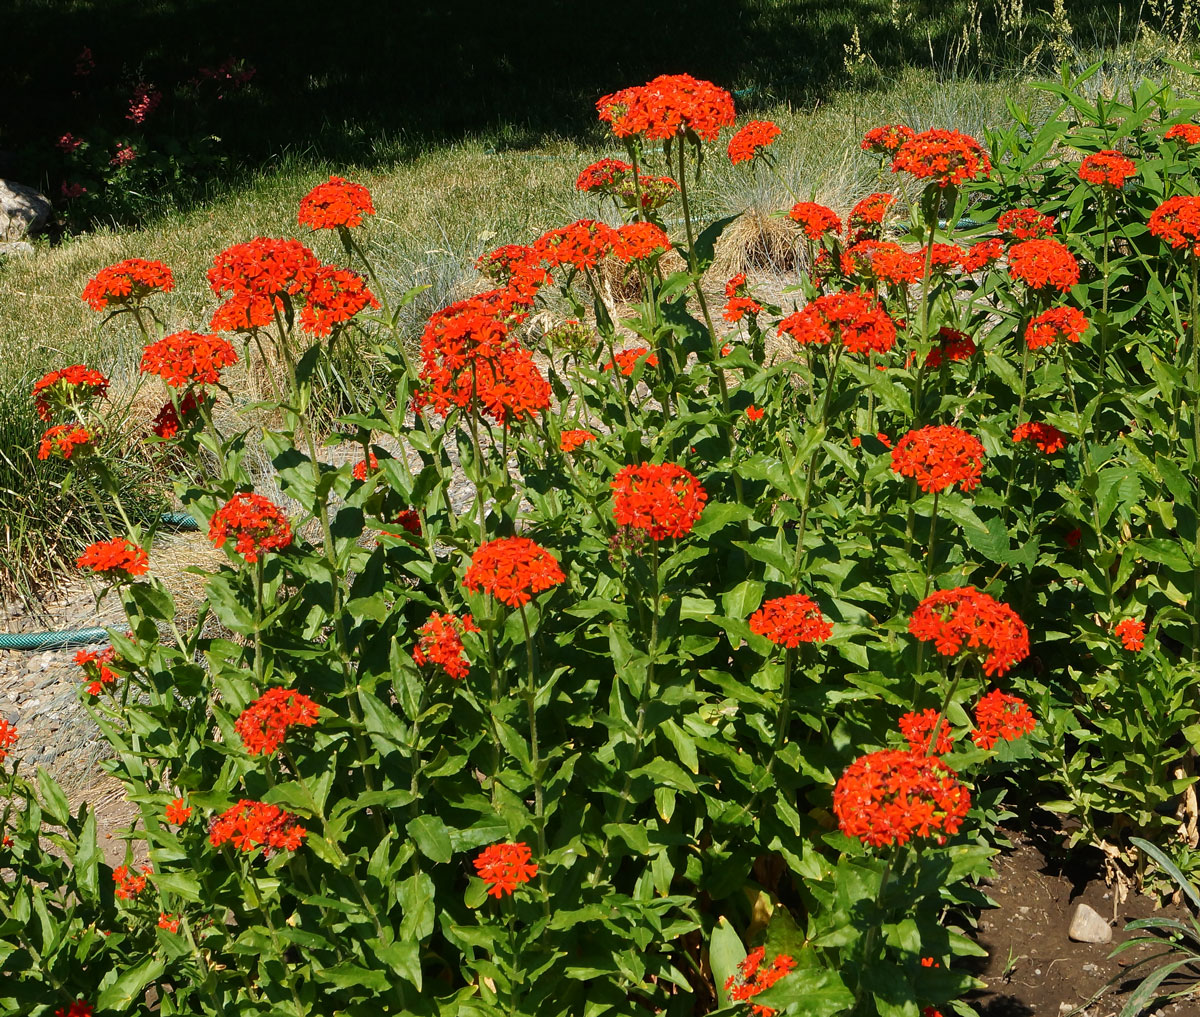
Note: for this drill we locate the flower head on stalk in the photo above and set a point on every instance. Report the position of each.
(441, 643)
(1108, 169)
(129, 885)
(752, 140)
(169, 420)
(1046, 437)
(178, 812)
(945, 158)
(1025, 224)
(63, 441)
(256, 525)
(8, 738)
(1043, 265)
(663, 499)
(790, 621)
(999, 716)
(854, 319)
(504, 867)
(625, 361)
(889, 797)
(614, 177)
(815, 220)
(939, 456)
(1185, 135)
(501, 264)
(80, 1008)
(981, 255)
(739, 303)
(1057, 323)
(917, 729)
(127, 283)
(865, 221)
(669, 105)
(1177, 222)
(887, 139)
(965, 618)
(570, 441)
(1132, 633)
(188, 358)
(115, 559)
(257, 275)
(95, 668)
(264, 724)
(249, 825)
(753, 976)
(639, 241)
(952, 347)
(512, 569)
(892, 264)
(581, 245)
(61, 389)
(336, 204)
(335, 296)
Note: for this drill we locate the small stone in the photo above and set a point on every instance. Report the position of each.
(1087, 926)
(17, 247)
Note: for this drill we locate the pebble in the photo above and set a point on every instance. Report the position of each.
(1087, 926)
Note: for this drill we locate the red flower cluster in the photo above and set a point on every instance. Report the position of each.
(953, 346)
(8, 738)
(127, 282)
(1000, 716)
(335, 296)
(1046, 437)
(866, 218)
(79, 1008)
(1065, 323)
(169, 922)
(1185, 134)
(338, 203)
(441, 643)
(790, 621)
(129, 886)
(255, 523)
(1132, 633)
(739, 303)
(1025, 224)
(364, 467)
(891, 263)
(264, 724)
(755, 413)
(581, 245)
(891, 796)
(752, 977)
(186, 358)
(167, 422)
(1177, 222)
(917, 729)
(408, 519)
(946, 258)
(979, 256)
(854, 319)
(569, 441)
(946, 158)
(626, 360)
(616, 177)
(257, 275)
(249, 825)
(95, 667)
(119, 558)
(505, 866)
(964, 617)
(752, 139)
(60, 389)
(1107, 169)
(815, 219)
(637, 241)
(63, 440)
(512, 569)
(939, 456)
(178, 812)
(500, 264)
(669, 105)
(1043, 264)
(663, 499)
(886, 139)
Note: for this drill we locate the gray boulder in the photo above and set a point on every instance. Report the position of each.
(22, 210)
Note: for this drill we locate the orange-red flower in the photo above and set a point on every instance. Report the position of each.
(886, 139)
(127, 282)
(637, 241)
(569, 441)
(626, 360)
(512, 569)
(365, 466)
(1177, 222)
(580, 245)
(739, 302)
(1185, 134)
(505, 866)
(61, 389)
(891, 796)
(79, 1008)
(264, 724)
(255, 523)
(966, 618)
(790, 621)
(946, 158)
(169, 922)
(95, 668)
(917, 729)
(1107, 169)
(815, 219)
(616, 178)
(952, 346)
(671, 104)
(1065, 323)
(441, 643)
(1001, 716)
(118, 558)
(129, 886)
(853, 319)
(1132, 633)
(258, 275)
(979, 256)
(334, 297)
(504, 261)
(8, 738)
(1043, 265)
(336, 203)
(891, 263)
(865, 221)
(752, 977)
(64, 440)
(188, 358)
(249, 825)
(751, 139)
(663, 499)
(178, 812)
(1046, 437)
(168, 421)
(1025, 224)
(755, 413)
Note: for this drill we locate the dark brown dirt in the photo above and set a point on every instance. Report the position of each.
(1033, 969)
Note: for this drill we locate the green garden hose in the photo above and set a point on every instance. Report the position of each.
(81, 637)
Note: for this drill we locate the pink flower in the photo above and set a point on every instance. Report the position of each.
(70, 191)
(125, 154)
(68, 143)
(144, 102)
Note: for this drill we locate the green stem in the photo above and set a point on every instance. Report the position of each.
(873, 932)
(785, 705)
(1195, 387)
(535, 759)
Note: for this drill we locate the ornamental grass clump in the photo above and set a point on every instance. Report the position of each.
(619, 660)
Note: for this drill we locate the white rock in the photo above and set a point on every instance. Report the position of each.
(1089, 927)
(22, 210)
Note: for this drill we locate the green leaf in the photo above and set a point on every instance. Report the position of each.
(52, 798)
(87, 861)
(432, 838)
(820, 993)
(349, 975)
(119, 995)
(725, 953)
(416, 895)
(403, 958)
(663, 771)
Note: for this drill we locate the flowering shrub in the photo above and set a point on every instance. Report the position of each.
(694, 705)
